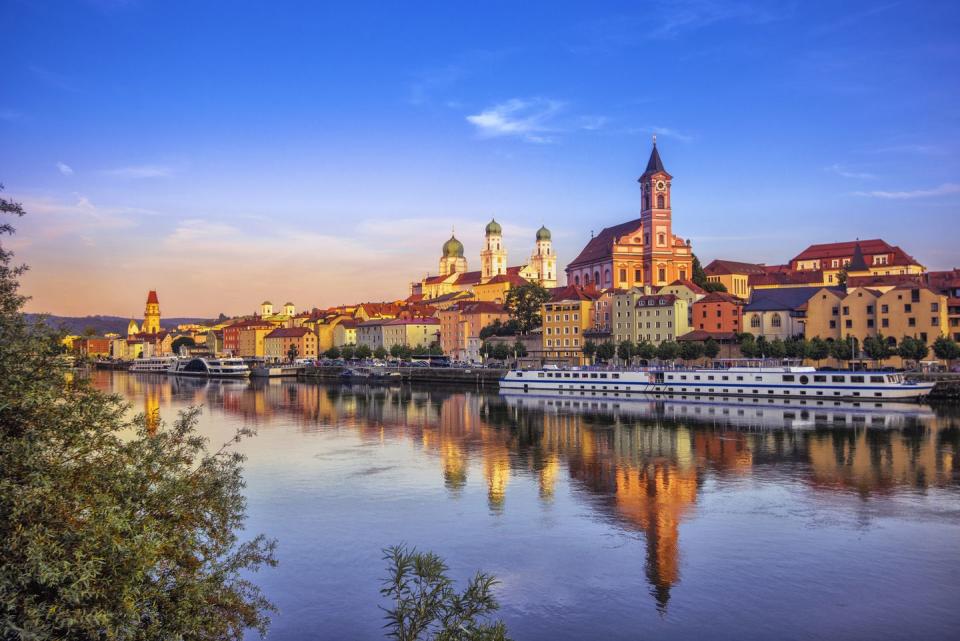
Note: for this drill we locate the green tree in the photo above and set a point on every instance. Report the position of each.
(699, 276)
(776, 349)
(424, 604)
(878, 348)
(714, 286)
(380, 352)
(348, 351)
(625, 351)
(817, 349)
(501, 352)
(606, 351)
(668, 351)
(111, 527)
(362, 352)
(293, 353)
(589, 350)
(646, 350)
(946, 349)
(89, 330)
(748, 345)
(434, 349)
(519, 349)
(795, 347)
(841, 349)
(524, 303)
(334, 352)
(913, 349)
(711, 348)
(181, 341)
(842, 277)
(396, 350)
(691, 350)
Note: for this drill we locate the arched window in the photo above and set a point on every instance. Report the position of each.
(660, 201)
(775, 321)
(606, 276)
(646, 202)
(596, 277)
(661, 239)
(755, 321)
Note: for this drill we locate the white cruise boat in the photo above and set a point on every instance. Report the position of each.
(219, 367)
(741, 380)
(154, 365)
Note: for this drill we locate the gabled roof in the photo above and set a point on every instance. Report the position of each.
(289, 332)
(723, 267)
(720, 297)
(413, 321)
(786, 299)
(573, 292)
(601, 245)
(510, 277)
(846, 249)
(689, 284)
(787, 278)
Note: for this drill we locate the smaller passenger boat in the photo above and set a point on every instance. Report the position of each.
(153, 365)
(219, 367)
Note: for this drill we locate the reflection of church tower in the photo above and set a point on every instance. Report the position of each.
(544, 261)
(151, 407)
(548, 478)
(496, 467)
(452, 260)
(454, 464)
(151, 314)
(493, 258)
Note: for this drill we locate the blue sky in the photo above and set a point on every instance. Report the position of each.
(224, 153)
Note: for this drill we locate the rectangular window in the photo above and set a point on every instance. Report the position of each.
(934, 307)
(912, 322)
(876, 379)
(818, 378)
(788, 378)
(884, 309)
(848, 323)
(838, 379)
(856, 379)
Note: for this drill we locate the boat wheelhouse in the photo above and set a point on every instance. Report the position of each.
(153, 365)
(219, 367)
(740, 379)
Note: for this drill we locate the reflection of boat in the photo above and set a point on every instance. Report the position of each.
(737, 412)
(273, 371)
(384, 374)
(748, 381)
(353, 373)
(155, 365)
(221, 367)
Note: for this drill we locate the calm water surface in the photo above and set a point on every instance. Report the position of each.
(604, 519)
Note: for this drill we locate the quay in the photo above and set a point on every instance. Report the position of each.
(482, 376)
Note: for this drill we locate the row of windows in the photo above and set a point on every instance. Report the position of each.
(885, 309)
(566, 342)
(566, 330)
(640, 325)
(791, 378)
(556, 319)
(574, 374)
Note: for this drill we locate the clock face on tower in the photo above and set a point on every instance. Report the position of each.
(661, 186)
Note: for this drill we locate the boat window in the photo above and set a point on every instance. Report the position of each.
(520, 374)
(593, 376)
(804, 380)
(696, 378)
(838, 379)
(856, 379)
(709, 378)
(566, 375)
(819, 379)
(615, 375)
(670, 377)
(788, 378)
(726, 378)
(739, 378)
(683, 378)
(876, 379)
(758, 378)
(575, 375)
(603, 376)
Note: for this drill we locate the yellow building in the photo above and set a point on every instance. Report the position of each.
(278, 343)
(345, 333)
(412, 332)
(860, 257)
(566, 316)
(733, 275)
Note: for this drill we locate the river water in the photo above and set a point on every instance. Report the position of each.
(603, 518)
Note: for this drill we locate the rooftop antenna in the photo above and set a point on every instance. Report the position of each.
(654, 140)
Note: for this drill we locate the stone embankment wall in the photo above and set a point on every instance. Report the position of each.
(947, 389)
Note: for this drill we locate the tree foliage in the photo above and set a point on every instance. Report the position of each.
(362, 351)
(711, 348)
(380, 352)
(606, 351)
(878, 348)
(817, 349)
(714, 286)
(691, 350)
(110, 528)
(348, 351)
(499, 328)
(425, 605)
(946, 349)
(625, 350)
(333, 352)
(699, 276)
(912, 349)
(524, 303)
(668, 351)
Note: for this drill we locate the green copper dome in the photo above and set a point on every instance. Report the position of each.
(543, 233)
(453, 248)
(493, 227)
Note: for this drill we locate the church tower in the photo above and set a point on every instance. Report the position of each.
(544, 261)
(451, 258)
(656, 222)
(132, 329)
(151, 314)
(493, 258)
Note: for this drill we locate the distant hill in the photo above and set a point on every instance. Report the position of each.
(105, 324)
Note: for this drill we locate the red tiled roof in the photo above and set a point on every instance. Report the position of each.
(846, 249)
(601, 245)
(791, 277)
(512, 278)
(152, 298)
(573, 292)
(289, 332)
(481, 307)
(722, 267)
(689, 284)
(720, 297)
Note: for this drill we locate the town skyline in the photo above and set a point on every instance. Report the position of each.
(221, 180)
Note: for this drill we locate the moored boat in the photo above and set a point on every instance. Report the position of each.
(219, 367)
(154, 365)
(741, 380)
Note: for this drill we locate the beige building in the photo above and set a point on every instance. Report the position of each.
(566, 316)
(460, 327)
(250, 340)
(412, 332)
(653, 318)
(277, 344)
(345, 333)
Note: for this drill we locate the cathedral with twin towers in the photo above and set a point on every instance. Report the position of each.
(495, 276)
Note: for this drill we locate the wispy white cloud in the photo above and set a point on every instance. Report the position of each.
(141, 171)
(528, 119)
(64, 168)
(79, 216)
(942, 190)
(593, 123)
(840, 170)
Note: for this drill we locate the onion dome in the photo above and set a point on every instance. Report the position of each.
(453, 248)
(266, 302)
(543, 233)
(493, 227)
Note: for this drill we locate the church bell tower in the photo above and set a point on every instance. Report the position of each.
(656, 221)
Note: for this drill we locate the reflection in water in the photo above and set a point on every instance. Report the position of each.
(640, 464)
